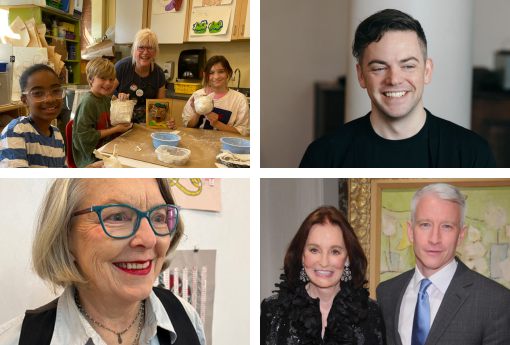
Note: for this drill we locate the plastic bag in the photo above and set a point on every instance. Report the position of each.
(204, 104)
(121, 111)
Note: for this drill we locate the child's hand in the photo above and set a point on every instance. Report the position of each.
(212, 118)
(123, 97)
(171, 124)
(192, 103)
(122, 127)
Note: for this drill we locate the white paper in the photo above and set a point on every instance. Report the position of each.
(108, 51)
(24, 58)
(207, 21)
(203, 3)
(19, 27)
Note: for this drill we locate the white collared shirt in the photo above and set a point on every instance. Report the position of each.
(440, 282)
(71, 327)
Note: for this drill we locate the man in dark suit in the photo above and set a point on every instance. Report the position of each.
(442, 301)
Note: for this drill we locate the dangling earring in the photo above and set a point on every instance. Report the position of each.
(346, 275)
(302, 274)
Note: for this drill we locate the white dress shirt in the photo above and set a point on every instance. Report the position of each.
(71, 327)
(440, 282)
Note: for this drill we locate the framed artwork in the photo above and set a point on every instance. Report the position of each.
(158, 112)
(380, 208)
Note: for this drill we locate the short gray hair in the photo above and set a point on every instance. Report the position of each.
(144, 36)
(443, 191)
(52, 260)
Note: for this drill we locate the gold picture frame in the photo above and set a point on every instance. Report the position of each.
(365, 208)
(158, 112)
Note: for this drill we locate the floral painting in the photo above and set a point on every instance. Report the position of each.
(486, 245)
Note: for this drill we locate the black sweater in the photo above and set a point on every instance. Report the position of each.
(440, 144)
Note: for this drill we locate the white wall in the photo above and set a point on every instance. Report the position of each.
(284, 205)
(301, 42)
(227, 232)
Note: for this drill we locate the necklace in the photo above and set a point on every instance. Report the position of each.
(140, 312)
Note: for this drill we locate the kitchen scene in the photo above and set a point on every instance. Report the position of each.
(468, 41)
(138, 84)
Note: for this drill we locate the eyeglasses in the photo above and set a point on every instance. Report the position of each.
(40, 96)
(149, 49)
(122, 221)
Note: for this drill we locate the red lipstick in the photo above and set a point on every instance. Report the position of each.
(141, 272)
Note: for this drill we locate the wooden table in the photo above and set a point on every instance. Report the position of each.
(204, 145)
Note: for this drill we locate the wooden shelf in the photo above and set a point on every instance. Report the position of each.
(8, 107)
(65, 39)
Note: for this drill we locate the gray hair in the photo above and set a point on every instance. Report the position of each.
(52, 260)
(442, 191)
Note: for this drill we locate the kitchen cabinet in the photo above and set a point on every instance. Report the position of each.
(10, 111)
(227, 37)
(31, 11)
(177, 108)
(133, 15)
(241, 29)
(130, 17)
(170, 28)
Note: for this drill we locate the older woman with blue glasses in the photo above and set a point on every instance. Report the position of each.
(106, 241)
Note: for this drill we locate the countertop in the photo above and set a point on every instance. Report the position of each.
(170, 93)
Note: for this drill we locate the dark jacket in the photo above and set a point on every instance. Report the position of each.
(450, 146)
(292, 317)
(38, 324)
(475, 310)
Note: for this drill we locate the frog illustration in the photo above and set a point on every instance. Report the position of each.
(200, 28)
(216, 27)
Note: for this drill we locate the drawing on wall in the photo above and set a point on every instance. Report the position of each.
(210, 20)
(166, 6)
(191, 276)
(200, 28)
(215, 27)
(197, 193)
(485, 247)
(203, 3)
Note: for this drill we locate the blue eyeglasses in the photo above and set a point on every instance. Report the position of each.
(122, 221)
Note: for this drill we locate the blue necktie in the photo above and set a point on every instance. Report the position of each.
(421, 323)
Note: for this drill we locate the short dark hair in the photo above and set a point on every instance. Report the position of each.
(23, 80)
(374, 27)
(326, 215)
(213, 61)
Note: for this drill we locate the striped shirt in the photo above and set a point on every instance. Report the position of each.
(23, 146)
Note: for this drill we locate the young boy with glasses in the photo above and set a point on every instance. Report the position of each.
(31, 141)
(91, 127)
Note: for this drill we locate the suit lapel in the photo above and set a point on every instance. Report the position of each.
(400, 296)
(453, 300)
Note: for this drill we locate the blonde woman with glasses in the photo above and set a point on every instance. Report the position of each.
(139, 77)
(105, 241)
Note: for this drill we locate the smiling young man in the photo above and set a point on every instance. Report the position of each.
(442, 301)
(391, 50)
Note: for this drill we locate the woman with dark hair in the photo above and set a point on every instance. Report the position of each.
(231, 112)
(321, 299)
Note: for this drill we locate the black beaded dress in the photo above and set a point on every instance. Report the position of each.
(292, 317)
